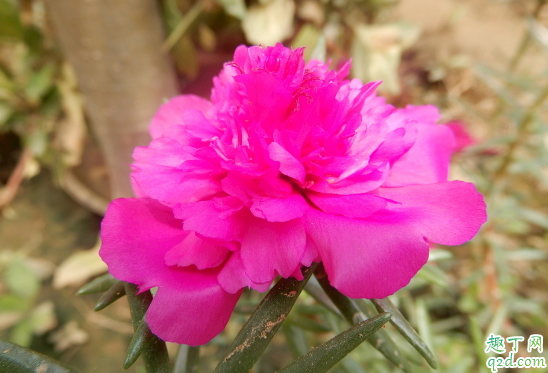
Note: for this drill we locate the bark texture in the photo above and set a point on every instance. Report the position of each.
(115, 49)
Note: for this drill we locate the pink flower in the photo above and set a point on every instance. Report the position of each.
(288, 164)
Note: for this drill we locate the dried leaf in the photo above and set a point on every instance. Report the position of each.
(78, 268)
(235, 8)
(69, 335)
(308, 37)
(376, 52)
(20, 279)
(270, 23)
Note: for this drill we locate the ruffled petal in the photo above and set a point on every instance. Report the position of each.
(214, 219)
(135, 236)
(198, 126)
(428, 159)
(289, 165)
(171, 185)
(279, 209)
(268, 248)
(352, 206)
(191, 308)
(367, 258)
(448, 213)
(374, 257)
(232, 276)
(193, 250)
(171, 113)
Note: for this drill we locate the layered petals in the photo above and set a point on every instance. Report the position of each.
(191, 295)
(289, 164)
(427, 161)
(376, 256)
(370, 258)
(171, 113)
(136, 233)
(448, 213)
(272, 248)
(233, 277)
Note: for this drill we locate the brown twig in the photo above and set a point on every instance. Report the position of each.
(8, 192)
(82, 194)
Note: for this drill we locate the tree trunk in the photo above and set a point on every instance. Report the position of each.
(115, 49)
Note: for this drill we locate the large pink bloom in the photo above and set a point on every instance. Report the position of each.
(288, 164)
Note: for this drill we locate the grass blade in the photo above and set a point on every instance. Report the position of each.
(406, 330)
(17, 359)
(380, 340)
(324, 357)
(256, 334)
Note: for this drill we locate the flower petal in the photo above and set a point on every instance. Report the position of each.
(289, 165)
(195, 251)
(352, 206)
(428, 159)
(171, 185)
(197, 125)
(135, 235)
(171, 113)
(213, 219)
(191, 308)
(268, 248)
(448, 213)
(367, 258)
(233, 278)
(279, 209)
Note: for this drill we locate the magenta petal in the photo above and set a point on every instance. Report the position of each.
(171, 185)
(171, 113)
(195, 251)
(428, 159)
(135, 235)
(448, 213)
(233, 278)
(191, 308)
(198, 126)
(289, 165)
(310, 253)
(367, 258)
(279, 209)
(352, 206)
(210, 219)
(268, 248)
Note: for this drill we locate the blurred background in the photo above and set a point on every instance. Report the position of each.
(80, 80)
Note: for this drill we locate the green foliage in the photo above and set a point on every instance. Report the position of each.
(17, 359)
(257, 333)
(324, 357)
(116, 292)
(19, 311)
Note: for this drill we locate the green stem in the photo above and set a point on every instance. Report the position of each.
(154, 354)
(354, 315)
(183, 26)
(523, 127)
(526, 41)
(258, 331)
(520, 52)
